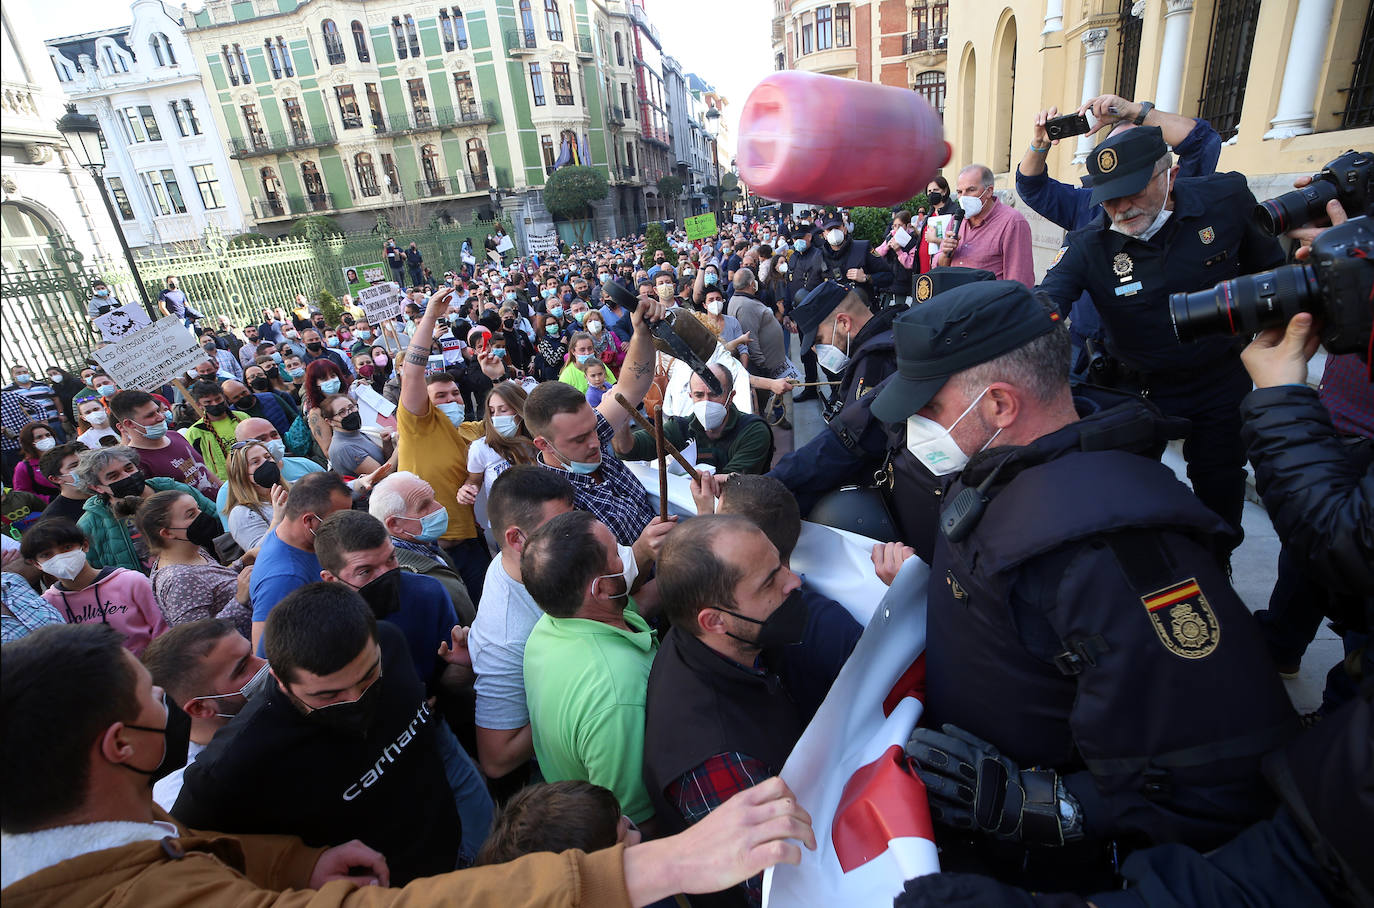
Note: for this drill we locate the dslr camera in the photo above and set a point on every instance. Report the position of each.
(1349, 178)
(1335, 284)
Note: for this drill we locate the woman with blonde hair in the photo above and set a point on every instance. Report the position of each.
(506, 441)
(257, 493)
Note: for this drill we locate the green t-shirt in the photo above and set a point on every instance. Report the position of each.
(585, 685)
(572, 374)
(745, 445)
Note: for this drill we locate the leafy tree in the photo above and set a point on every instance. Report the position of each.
(330, 307)
(325, 224)
(871, 223)
(249, 239)
(570, 191)
(669, 187)
(655, 238)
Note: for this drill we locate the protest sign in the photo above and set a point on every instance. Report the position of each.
(149, 358)
(358, 277)
(453, 349)
(118, 323)
(546, 245)
(740, 219)
(700, 227)
(505, 245)
(380, 301)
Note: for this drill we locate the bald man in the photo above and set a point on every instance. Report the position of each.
(727, 440)
(277, 408)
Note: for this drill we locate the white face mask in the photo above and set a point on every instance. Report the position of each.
(713, 307)
(972, 205)
(1159, 220)
(97, 417)
(45, 444)
(834, 236)
(64, 566)
(709, 413)
(933, 445)
(782, 267)
(831, 358)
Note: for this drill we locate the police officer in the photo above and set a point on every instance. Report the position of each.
(1093, 682)
(849, 340)
(895, 497)
(851, 262)
(1159, 235)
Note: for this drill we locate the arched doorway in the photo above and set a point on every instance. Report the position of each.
(273, 204)
(968, 96)
(1004, 96)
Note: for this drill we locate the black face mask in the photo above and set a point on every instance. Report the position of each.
(785, 627)
(508, 324)
(352, 717)
(382, 593)
(262, 384)
(130, 485)
(352, 422)
(267, 474)
(935, 198)
(216, 411)
(203, 531)
(315, 347)
(177, 735)
(247, 404)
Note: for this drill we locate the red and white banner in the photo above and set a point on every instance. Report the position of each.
(849, 771)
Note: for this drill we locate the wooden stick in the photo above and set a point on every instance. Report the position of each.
(667, 445)
(662, 464)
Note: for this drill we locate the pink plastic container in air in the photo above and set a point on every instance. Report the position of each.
(805, 137)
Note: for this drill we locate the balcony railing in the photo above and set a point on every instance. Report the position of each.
(314, 201)
(371, 191)
(260, 143)
(451, 43)
(334, 53)
(926, 40)
(441, 186)
(583, 45)
(271, 207)
(556, 34)
(439, 118)
(520, 40)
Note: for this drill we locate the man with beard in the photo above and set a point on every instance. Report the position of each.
(1160, 235)
(851, 262)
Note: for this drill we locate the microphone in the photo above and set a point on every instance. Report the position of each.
(958, 220)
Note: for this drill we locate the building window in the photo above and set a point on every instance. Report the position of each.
(145, 113)
(185, 116)
(552, 20)
(272, 205)
(114, 62)
(229, 64)
(842, 30)
(179, 117)
(162, 50)
(374, 105)
(208, 185)
(314, 186)
(64, 71)
(629, 159)
(546, 143)
(625, 98)
(419, 102)
(1128, 49)
(273, 61)
(477, 164)
(295, 120)
(349, 113)
(808, 39)
(460, 29)
(412, 36)
(360, 42)
(121, 198)
(430, 170)
(462, 90)
(132, 124)
(446, 30)
(243, 65)
(398, 37)
(393, 178)
(527, 22)
(619, 51)
(537, 84)
(931, 86)
(367, 174)
(254, 124)
(1228, 64)
(1359, 98)
(825, 33)
(333, 43)
(285, 54)
(562, 84)
(163, 192)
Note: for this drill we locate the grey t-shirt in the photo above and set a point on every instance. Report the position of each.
(348, 449)
(505, 617)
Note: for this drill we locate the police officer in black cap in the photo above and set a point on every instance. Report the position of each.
(1094, 684)
(849, 340)
(858, 449)
(1159, 235)
(851, 262)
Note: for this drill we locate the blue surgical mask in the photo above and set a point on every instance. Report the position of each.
(295, 373)
(454, 411)
(585, 358)
(276, 357)
(432, 526)
(365, 334)
(506, 425)
(710, 279)
(498, 352)
(577, 466)
(545, 293)
(106, 390)
(330, 386)
(799, 245)
(155, 431)
(276, 447)
(332, 342)
(556, 312)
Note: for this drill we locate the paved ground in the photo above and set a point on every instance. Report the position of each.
(1253, 564)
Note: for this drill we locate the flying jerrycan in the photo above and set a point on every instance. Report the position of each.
(805, 137)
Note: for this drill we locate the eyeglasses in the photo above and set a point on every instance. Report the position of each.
(346, 411)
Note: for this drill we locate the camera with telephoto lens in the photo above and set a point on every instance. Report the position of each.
(1335, 284)
(1349, 178)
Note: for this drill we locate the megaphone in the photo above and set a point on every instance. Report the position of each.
(679, 335)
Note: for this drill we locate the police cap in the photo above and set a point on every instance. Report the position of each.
(814, 307)
(832, 220)
(958, 330)
(1123, 164)
(938, 280)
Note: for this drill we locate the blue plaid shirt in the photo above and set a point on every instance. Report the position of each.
(25, 610)
(617, 498)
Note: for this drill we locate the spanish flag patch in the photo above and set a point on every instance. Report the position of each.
(1183, 619)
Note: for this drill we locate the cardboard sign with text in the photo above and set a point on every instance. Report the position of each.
(150, 357)
(544, 246)
(380, 301)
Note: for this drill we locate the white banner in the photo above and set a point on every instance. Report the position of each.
(149, 358)
(380, 301)
(545, 245)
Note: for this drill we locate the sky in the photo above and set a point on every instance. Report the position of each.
(726, 42)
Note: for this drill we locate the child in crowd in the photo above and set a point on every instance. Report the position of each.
(597, 386)
(557, 817)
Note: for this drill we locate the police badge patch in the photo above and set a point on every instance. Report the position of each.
(1184, 620)
(924, 288)
(1057, 256)
(1207, 235)
(1106, 160)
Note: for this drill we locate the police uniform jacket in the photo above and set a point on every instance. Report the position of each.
(805, 269)
(872, 358)
(1085, 625)
(835, 264)
(1210, 237)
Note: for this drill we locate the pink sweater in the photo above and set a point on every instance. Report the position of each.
(1001, 244)
(120, 598)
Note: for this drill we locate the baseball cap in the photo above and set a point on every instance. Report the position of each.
(938, 280)
(957, 330)
(814, 307)
(1123, 164)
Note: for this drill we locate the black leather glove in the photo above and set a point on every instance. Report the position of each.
(968, 890)
(971, 786)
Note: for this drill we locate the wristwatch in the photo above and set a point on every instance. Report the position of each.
(1145, 108)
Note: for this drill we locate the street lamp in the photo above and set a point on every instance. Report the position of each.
(713, 130)
(82, 135)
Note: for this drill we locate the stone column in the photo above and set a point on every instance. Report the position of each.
(1094, 47)
(1054, 16)
(1297, 98)
(1173, 52)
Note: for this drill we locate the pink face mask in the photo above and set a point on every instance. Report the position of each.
(379, 359)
